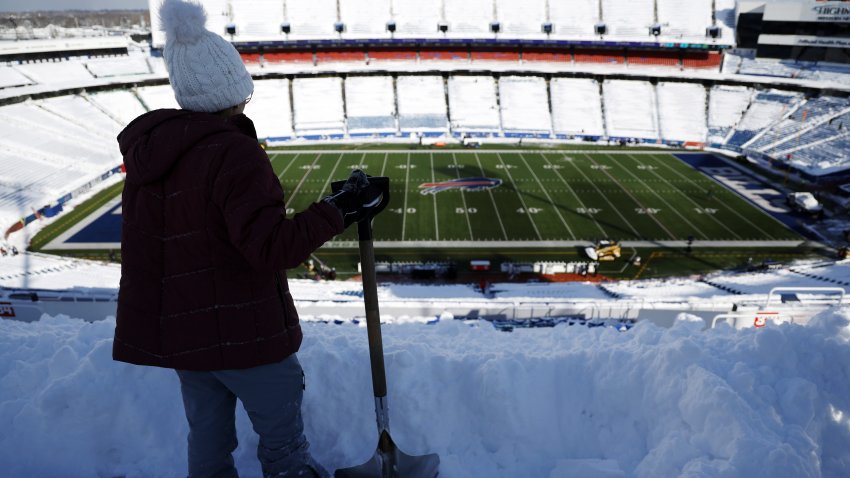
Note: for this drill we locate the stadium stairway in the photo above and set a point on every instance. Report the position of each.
(609, 292)
(722, 287)
(819, 277)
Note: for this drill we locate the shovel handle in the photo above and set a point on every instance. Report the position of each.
(370, 286)
(373, 315)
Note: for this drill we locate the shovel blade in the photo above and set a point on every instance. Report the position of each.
(393, 463)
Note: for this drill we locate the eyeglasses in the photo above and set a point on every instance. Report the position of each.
(248, 99)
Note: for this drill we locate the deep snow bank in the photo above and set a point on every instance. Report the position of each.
(560, 402)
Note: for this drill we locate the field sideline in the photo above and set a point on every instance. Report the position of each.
(544, 198)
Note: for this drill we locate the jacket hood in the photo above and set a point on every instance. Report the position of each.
(155, 141)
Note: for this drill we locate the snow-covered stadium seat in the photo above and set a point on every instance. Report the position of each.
(10, 77)
(524, 105)
(681, 108)
(416, 19)
(521, 18)
(75, 107)
(628, 18)
(575, 19)
(726, 14)
(122, 105)
(370, 104)
(766, 108)
(312, 18)
(808, 116)
(118, 66)
(469, 18)
(422, 104)
(157, 97)
(26, 183)
(318, 106)
(257, 18)
(56, 72)
(365, 18)
(684, 19)
(576, 107)
(726, 107)
(30, 126)
(472, 104)
(270, 109)
(630, 109)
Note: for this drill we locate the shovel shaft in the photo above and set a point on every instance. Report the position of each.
(373, 315)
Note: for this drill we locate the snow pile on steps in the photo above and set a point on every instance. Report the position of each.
(562, 402)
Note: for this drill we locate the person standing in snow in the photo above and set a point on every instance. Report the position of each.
(204, 243)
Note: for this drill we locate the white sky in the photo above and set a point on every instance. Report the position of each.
(24, 5)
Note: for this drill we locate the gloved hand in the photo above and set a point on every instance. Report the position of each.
(356, 198)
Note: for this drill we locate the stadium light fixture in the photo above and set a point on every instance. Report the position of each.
(391, 26)
(547, 28)
(495, 27)
(230, 29)
(285, 28)
(601, 29)
(655, 30)
(443, 27)
(339, 27)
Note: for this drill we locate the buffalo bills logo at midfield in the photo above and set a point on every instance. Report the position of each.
(466, 184)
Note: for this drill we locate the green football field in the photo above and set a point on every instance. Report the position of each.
(543, 197)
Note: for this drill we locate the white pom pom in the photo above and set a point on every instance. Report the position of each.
(182, 22)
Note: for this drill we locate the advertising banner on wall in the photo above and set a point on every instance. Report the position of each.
(835, 11)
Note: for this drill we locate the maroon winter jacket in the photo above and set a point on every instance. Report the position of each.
(204, 241)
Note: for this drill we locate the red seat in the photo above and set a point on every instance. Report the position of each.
(444, 55)
(250, 57)
(600, 56)
(548, 56)
(495, 56)
(392, 55)
(340, 56)
(660, 58)
(707, 59)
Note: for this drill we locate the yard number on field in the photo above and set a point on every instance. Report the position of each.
(531, 210)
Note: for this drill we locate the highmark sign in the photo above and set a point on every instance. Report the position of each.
(831, 11)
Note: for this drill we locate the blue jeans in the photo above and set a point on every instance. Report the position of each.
(272, 395)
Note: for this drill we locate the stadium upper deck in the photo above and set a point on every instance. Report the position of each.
(654, 22)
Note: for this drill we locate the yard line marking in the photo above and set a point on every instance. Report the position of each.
(384, 167)
(688, 197)
(651, 216)
(492, 199)
(670, 206)
(516, 190)
(450, 151)
(280, 176)
(580, 202)
(557, 210)
(434, 180)
(732, 209)
(599, 191)
(306, 173)
(330, 178)
(406, 186)
(463, 198)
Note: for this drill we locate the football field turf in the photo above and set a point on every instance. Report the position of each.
(533, 197)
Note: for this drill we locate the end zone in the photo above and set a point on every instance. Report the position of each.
(100, 230)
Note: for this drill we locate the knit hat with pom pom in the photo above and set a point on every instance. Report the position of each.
(205, 70)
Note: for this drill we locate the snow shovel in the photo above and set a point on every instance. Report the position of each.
(388, 461)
